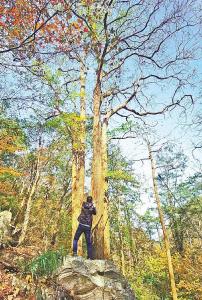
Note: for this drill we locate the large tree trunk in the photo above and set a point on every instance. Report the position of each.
(96, 179)
(165, 235)
(78, 161)
(101, 235)
(104, 185)
(98, 195)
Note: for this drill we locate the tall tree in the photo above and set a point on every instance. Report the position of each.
(118, 42)
(78, 153)
(176, 192)
(162, 220)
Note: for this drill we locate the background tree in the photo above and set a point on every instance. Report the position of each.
(162, 221)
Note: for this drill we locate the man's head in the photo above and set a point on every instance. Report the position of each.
(89, 199)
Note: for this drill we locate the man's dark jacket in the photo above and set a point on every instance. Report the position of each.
(87, 211)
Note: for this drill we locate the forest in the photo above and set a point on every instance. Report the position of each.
(101, 98)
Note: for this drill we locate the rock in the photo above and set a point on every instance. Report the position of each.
(92, 279)
(5, 221)
(76, 279)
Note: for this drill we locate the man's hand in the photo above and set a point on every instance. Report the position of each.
(93, 209)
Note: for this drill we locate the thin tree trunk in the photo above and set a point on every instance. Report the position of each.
(123, 268)
(22, 189)
(19, 216)
(161, 216)
(132, 249)
(78, 161)
(175, 228)
(57, 217)
(30, 201)
(123, 265)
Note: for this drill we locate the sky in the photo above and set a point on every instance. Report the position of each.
(172, 128)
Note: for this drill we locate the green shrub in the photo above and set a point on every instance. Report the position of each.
(46, 263)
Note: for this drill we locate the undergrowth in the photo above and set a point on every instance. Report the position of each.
(45, 264)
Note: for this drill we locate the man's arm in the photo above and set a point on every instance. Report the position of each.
(93, 210)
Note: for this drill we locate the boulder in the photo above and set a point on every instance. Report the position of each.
(5, 223)
(92, 279)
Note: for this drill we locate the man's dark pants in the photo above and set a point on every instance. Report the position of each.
(87, 231)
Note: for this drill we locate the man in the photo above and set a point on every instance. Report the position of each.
(85, 224)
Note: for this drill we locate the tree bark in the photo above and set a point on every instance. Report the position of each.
(104, 186)
(161, 216)
(78, 161)
(19, 216)
(99, 182)
(97, 178)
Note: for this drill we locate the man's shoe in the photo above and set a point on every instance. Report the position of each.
(75, 254)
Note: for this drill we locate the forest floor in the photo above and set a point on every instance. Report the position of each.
(14, 283)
